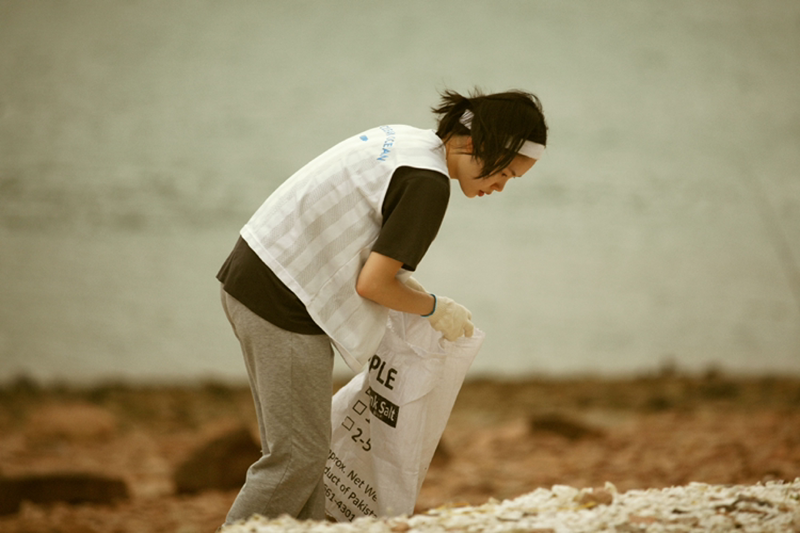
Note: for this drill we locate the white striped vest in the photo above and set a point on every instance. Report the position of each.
(317, 229)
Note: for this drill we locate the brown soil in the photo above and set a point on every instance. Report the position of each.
(503, 439)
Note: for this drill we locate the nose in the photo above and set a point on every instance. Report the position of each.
(500, 184)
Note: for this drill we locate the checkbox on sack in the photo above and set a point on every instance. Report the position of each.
(348, 423)
(360, 407)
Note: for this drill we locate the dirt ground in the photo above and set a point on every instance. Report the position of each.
(504, 438)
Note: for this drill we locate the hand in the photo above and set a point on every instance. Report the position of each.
(452, 319)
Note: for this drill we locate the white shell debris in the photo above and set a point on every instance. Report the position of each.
(769, 507)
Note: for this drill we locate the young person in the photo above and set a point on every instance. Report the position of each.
(331, 251)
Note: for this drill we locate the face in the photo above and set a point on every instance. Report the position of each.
(465, 168)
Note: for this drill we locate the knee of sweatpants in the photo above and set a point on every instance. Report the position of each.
(274, 459)
(309, 461)
(317, 457)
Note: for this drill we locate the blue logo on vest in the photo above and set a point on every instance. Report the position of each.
(364, 138)
(388, 143)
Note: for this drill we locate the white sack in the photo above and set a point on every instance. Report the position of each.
(389, 418)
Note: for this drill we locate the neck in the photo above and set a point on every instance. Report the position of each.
(455, 146)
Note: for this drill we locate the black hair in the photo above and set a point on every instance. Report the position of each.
(501, 124)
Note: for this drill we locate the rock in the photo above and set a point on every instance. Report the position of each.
(9, 501)
(563, 426)
(594, 497)
(59, 487)
(658, 403)
(643, 520)
(548, 511)
(70, 421)
(219, 464)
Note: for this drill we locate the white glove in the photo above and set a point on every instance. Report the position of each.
(452, 319)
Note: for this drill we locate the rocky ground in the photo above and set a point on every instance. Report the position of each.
(504, 439)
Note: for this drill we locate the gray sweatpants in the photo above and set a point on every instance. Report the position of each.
(291, 380)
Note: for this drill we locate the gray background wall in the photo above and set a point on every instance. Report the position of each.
(136, 137)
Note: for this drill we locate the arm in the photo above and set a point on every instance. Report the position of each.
(378, 282)
(413, 210)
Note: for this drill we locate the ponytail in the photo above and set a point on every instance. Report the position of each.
(500, 124)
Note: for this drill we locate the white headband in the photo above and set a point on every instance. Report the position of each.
(529, 148)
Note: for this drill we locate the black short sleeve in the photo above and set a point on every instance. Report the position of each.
(245, 277)
(413, 210)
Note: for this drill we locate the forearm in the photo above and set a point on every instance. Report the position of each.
(378, 283)
(395, 295)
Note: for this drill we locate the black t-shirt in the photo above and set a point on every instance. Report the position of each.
(412, 210)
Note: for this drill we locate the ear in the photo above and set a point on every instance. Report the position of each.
(462, 144)
(465, 145)
(468, 144)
